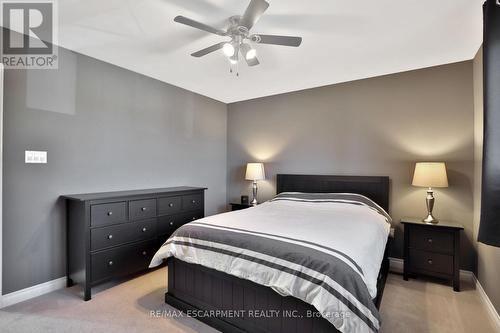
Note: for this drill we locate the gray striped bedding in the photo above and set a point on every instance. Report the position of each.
(325, 249)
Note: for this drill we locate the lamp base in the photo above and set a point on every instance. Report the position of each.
(430, 205)
(430, 219)
(254, 192)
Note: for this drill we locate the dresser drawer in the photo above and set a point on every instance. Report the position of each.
(431, 240)
(122, 260)
(168, 224)
(101, 238)
(169, 205)
(431, 262)
(108, 213)
(142, 209)
(193, 216)
(162, 239)
(192, 202)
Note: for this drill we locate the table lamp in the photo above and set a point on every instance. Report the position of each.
(255, 172)
(430, 174)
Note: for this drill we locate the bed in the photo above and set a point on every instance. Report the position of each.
(248, 271)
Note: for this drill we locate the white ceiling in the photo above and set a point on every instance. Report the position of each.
(343, 40)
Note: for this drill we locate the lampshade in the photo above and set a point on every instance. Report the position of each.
(255, 171)
(430, 174)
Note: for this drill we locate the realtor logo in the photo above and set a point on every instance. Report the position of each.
(28, 34)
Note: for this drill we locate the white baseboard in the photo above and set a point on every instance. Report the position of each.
(396, 266)
(31, 292)
(486, 300)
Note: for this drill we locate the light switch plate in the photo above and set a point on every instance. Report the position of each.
(37, 157)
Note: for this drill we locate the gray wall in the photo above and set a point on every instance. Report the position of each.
(488, 257)
(105, 128)
(377, 126)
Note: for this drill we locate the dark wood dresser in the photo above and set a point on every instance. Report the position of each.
(113, 234)
(432, 249)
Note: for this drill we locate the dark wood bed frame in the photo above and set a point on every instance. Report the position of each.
(215, 297)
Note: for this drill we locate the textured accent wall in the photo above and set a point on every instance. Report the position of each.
(105, 128)
(378, 126)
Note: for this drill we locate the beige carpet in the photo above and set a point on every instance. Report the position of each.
(413, 306)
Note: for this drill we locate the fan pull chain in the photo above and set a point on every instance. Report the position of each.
(236, 69)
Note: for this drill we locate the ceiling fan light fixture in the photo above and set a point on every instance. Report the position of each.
(251, 54)
(238, 30)
(228, 49)
(234, 59)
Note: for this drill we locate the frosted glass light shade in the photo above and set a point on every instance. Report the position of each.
(430, 174)
(228, 50)
(255, 171)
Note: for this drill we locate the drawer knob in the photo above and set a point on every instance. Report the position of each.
(144, 209)
(110, 213)
(171, 223)
(170, 205)
(193, 201)
(110, 236)
(110, 263)
(144, 253)
(144, 229)
(429, 261)
(429, 240)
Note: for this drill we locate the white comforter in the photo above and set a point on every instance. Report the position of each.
(357, 231)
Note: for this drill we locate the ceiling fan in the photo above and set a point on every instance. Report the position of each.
(239, 32)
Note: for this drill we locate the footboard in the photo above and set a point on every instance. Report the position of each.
(231, 304)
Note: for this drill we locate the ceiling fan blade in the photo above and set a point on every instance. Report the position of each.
(198, 25)
(253, 13)
(208, 50)
(245, 48)
(278, 40)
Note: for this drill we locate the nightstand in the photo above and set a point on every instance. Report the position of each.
(239, 206)
(432, 249)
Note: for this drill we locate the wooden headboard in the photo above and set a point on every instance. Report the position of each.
(375, 188)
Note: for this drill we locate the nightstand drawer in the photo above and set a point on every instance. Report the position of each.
(431, 240)
(431, 262)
